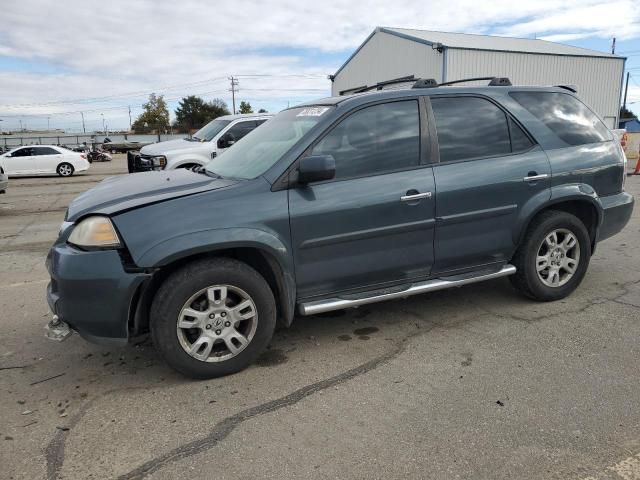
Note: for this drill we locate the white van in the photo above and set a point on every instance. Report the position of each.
(211, 140)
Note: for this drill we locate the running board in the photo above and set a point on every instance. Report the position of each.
(329, 304)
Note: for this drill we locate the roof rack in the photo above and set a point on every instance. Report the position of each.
(379, 85)
(493, 82)
(428, 83)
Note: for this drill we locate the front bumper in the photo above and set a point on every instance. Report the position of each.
(138, 162)
(92, 292)
(617, 211)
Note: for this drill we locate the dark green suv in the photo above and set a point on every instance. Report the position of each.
(337, 203)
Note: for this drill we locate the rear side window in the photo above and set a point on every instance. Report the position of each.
(374, 140)
(566, 116)
(470, 127)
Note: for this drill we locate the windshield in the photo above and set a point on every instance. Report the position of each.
(210, 130)
(259, 150)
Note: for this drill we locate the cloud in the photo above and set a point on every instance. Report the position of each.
(118, 47)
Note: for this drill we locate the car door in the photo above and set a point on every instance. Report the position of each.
(372, 225)
(489, 168)
(46, 159)
(20, 162)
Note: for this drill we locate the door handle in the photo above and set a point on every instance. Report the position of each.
(412, 197)
(533, 177)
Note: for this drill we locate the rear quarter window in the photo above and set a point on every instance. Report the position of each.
(566, 116)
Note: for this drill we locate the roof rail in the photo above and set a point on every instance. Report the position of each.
(379, 85)
(571, 88)
(493, 81)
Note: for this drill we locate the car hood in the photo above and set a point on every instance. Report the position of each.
(125, 192)
(162, 148)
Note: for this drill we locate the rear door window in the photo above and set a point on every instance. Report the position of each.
(470, 127)
(566, 116)
(45, 151)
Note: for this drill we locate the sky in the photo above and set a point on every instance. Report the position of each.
(58, 59)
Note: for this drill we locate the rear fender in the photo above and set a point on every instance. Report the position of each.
(559, 194)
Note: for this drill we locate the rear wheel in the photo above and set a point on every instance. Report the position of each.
(553, 257)
(213, 318)
(65, 169)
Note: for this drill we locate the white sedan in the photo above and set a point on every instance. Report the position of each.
(43, 160)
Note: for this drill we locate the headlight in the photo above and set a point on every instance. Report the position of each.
(95, 232)
(160, 161)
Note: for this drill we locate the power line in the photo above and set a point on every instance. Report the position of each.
(147, 92)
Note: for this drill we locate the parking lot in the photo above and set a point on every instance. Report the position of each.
(472, 382)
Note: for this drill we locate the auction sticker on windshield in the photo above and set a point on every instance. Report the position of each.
(312, 112)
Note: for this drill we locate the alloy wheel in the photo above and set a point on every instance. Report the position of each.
(217, 323)
(558, 258)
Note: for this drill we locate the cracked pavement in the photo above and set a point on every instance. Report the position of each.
(475, 382)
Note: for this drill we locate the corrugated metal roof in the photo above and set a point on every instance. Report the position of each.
(489, 42)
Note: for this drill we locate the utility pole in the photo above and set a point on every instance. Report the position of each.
(20, 124)
(48, 123)
(234, 84)
(613, 46)
(129, 117)
(626, 89)
(83, 128)
(103, 127)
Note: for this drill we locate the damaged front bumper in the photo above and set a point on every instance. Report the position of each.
(91, 293)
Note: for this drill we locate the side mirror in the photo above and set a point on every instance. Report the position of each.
(226, 140)
(316, 168)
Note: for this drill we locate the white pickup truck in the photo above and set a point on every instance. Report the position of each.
(211, 140)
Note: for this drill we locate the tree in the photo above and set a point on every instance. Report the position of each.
(193, 112)
(626, 113)
(262, 110)
(155, 116)
(245, 107)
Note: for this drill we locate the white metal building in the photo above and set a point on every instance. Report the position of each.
(390, 53)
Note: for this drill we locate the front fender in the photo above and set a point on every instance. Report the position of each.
(206, 241)
(559, 194)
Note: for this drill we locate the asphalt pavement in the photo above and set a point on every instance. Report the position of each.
(472, 383)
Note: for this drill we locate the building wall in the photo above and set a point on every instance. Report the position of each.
(598, 78)
(385, 57)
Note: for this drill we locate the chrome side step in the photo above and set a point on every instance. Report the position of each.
(329, 304)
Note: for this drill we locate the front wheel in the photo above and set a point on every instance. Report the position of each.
(65, 169)
(213, 318)
(553, 257)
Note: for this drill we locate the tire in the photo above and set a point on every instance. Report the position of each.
(535, 252)
(198, 287)
(65, 169)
